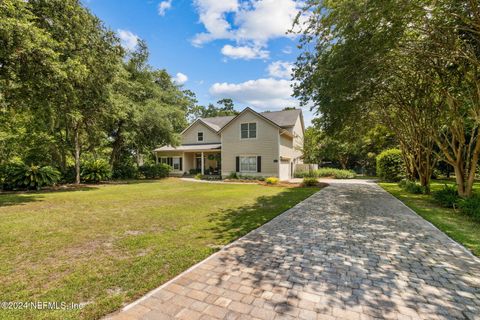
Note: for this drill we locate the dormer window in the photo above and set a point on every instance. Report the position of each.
(199, 136)
(248, 130)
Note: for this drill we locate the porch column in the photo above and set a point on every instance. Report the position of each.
(156, 157)
(203, 164)
(183, 162)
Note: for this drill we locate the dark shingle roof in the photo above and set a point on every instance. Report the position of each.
(217, 123)
(286, 118)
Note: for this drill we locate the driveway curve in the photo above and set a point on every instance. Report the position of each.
(350, 251)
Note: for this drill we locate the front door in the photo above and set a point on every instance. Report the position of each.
(198, 163)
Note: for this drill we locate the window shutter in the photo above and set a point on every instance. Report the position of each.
(237, 162)
(170, 161)
(259, 164)
(181, 164)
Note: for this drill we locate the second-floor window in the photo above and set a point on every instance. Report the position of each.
(248, 130)
(199, 136)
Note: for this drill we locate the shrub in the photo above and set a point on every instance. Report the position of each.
(303, 174)
(155, 171)
(447, 197)
(7, 172)
(32, 177)
(470, 206)
(335, 173)
(198, 176)
(272, 180)
(309, 181)
(247, 177)
(411, 186)
(68, 176)
(194, 171)
(390, 165)
(232, 175)
(125, 169)
(96, 171)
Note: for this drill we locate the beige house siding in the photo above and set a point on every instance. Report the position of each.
(190, 136)
(265, 145)
(286, 147)
(291, 147)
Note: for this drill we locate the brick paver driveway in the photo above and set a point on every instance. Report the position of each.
(351, 251)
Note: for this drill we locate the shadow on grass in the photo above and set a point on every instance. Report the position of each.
(234, 223)
(17, 199)
(350, 248)
(12, 198)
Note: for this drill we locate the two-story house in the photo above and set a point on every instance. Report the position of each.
(250, 143)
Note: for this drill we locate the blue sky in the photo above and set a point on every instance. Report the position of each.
(235, 49)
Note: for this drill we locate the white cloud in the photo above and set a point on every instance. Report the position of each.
(267, 94)
(164, 6)
(128, 39)
(244, 52)
(180, 78)
(212, 14)
(266, 19)
(280, 69)
(251, 23)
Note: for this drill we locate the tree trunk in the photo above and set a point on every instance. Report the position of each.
(459, 178)
(117, 143)
(343, 163)
(77, 153)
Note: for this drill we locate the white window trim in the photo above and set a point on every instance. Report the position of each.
(248, 156)
(173, 157)
(203, 136)
(256, 127)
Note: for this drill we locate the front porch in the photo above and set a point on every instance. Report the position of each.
(191, 159)
(205, 163)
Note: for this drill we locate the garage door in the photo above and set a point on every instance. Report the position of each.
(284, 170)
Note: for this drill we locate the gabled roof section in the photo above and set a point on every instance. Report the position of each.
(200, 120)
(260, 115)
(281, 119)
(217, 122)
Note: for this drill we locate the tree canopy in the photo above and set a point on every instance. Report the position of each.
(411, 66)
(70, 92)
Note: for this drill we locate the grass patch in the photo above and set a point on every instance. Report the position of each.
(456, 225)
(108, 245)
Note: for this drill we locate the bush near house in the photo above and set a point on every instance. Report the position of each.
(335, 173)
(155, 171)
(232, 175)
(390, 165)
(309, 182)
(272, 180)
(327, 172)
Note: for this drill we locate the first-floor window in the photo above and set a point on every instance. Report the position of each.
(176, 164)
(248, 164)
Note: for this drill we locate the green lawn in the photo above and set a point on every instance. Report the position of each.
(108, 245)
(458, 226)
